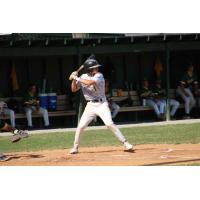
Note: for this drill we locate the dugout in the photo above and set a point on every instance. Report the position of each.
(127, 58)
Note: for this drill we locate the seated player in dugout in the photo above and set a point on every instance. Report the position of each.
(186, 89)
(92, 84)
(17, 135)
(197, 97)
(4, 110)
(31, 104)
(160, 94)
(114, 108)
(149, 97)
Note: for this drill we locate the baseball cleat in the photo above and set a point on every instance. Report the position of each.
(18, 136)
(23, 134)
(74, 150)
(128, 147)
(3, 157)
(15, 138)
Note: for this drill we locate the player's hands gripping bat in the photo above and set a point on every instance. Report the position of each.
(75, 73)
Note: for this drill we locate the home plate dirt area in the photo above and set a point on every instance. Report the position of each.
(147, 155)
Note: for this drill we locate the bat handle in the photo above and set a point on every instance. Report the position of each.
(76, 73)
(78, 70)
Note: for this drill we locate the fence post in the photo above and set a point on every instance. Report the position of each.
(168, 82)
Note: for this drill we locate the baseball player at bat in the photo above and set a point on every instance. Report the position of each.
(17, 135)
(92, 84)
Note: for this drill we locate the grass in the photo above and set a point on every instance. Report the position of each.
(168, 134)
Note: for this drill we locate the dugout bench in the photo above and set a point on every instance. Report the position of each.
(64, 111)
(136, 106)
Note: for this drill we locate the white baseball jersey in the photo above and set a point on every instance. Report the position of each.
(96, 91)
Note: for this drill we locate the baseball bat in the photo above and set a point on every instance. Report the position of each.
(80, 68)
(92, 56)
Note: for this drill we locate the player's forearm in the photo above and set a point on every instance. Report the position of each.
(32, 102)
(74, 87)
(146, 94)
(27, 103)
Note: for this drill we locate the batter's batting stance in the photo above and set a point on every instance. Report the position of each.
(92, 84)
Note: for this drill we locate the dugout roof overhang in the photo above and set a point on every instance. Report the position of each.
(50, 44)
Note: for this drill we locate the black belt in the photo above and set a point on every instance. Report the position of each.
(96, 100)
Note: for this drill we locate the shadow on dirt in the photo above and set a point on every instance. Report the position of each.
(107, 151)
(22, 156)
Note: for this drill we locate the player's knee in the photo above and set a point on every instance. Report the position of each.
(177, 104)
(110, 125)
(117, 108)
(154, 106)
(12, 113)
(29, 112)
(81, 127)
(45, 112)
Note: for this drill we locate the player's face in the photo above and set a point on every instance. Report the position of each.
(146, 84)
(191, 68)
(33, 89)
(94, 71)
(158, 84)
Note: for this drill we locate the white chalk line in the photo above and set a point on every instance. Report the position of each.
(168, 151)
(184, 157)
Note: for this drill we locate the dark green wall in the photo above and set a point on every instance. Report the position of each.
(33, 70)
(127, 67)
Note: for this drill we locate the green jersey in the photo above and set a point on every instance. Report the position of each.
(189, 80)
(31, 99)
(158, 92)
(146, 93)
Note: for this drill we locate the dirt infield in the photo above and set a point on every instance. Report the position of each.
(162, 154)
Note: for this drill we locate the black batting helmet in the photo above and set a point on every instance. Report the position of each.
(90, 64)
